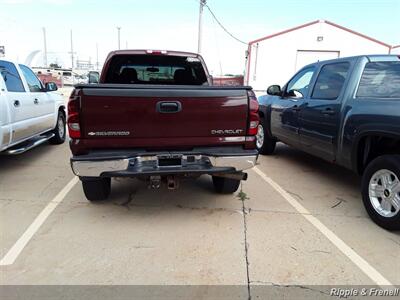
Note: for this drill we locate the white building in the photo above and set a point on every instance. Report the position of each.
(275, 58)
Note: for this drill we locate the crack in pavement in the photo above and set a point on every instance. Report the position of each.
(246, 248)
(340, 202)
(126, 203)
(394, 241)
(215, 209)
(320, 251)
(143, 247)
(291, 286)
(313, 213)
(296, 195)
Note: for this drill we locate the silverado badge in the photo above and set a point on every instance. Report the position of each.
(109, 133)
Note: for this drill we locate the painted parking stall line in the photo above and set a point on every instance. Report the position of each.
(361, 263)
(17, 248)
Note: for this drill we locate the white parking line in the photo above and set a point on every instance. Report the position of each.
(17, 248)
(364, 266)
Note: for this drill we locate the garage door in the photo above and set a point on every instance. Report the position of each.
(305, 57)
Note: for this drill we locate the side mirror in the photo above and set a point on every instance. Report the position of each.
(51, 87)
(274, 90)
(93, 77)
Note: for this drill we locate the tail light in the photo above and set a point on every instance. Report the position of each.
(254, 118)
(156, 52)
(74, 127)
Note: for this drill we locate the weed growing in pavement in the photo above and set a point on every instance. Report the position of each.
(242, 195)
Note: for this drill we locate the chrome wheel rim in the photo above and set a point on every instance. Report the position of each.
(61, 127)
(384, 193)
(260, 136)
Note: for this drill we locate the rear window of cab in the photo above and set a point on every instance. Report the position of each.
(380, 80)
(156, 69)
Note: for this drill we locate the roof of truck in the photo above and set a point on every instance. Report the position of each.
(372, 57)
(151, 51)
(10, 60)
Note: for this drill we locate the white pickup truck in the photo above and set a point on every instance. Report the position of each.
(30, 113)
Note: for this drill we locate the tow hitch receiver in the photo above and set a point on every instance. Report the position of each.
(155, 182)
(172, 182)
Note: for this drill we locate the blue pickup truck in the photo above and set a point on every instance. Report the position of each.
(346, 111)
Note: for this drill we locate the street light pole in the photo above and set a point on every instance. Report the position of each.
(45, 48)
(119, 37)
(202, 3)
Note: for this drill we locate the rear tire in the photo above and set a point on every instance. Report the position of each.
(60, 130)
(265, 144)
(97, 188)
(225, 185)
(381, 191)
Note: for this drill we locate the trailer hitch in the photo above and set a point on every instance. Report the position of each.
(154, 182)
(172, 182)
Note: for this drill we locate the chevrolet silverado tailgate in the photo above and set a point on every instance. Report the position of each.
(154, 111)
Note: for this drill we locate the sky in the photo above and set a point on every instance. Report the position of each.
(173, 25)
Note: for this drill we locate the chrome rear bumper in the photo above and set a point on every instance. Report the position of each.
(96, 168)
(162, 164)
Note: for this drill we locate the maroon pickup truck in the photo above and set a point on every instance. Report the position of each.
(156, 116)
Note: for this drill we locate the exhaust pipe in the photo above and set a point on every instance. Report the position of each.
(235, 175)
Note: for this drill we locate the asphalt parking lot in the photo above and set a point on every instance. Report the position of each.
(299, 222)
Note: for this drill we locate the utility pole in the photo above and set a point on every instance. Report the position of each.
(202, 3)
(119, 37)
(45, 48)
(97, 57)
(72, 53)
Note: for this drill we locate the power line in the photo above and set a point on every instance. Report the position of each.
(217, 44)
(222, 26)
